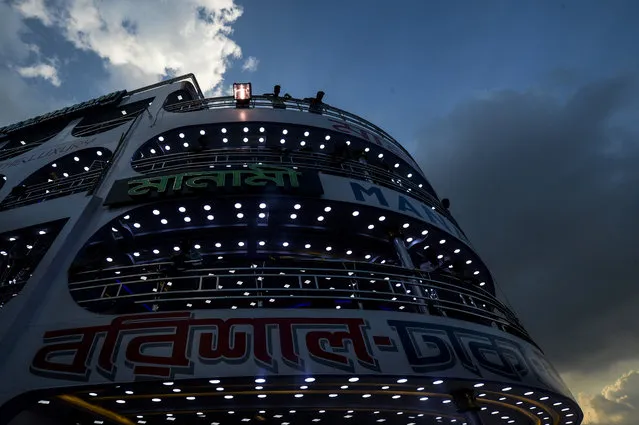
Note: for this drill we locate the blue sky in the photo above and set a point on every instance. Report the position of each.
(407, 61)
(370, 57)
(511, 107)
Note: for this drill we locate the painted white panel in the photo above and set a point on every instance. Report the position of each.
(361, 192)
(100, 349)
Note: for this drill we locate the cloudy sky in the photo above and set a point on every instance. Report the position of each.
(524, 113)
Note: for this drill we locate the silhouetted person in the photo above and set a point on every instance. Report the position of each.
(200, 144)
(316, 103)
(278, 102)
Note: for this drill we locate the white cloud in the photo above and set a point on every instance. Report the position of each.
(147, 39)
(33, 48)
(43, 70)
(616, 404)
(34, 9)
(250, 64)
(223, 90)
(14, 50)
(18, 100)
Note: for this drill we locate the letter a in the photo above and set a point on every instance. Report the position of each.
(404, 205)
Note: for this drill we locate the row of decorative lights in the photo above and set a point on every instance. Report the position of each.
(167, 148)
(185, 144)
(65, 174)
(397, 182)
(383, 296)
(261, 139)
(557, 405)
(260, 243)
(76, 159)
(349, 414)
(5, 253)
(260, 382)
(293, 216)
(202, 132)
(41, 232)
(309, 380)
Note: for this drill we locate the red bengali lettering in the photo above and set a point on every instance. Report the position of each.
(177, 341)
(355, 335)
(341, 126)
(223, 342)
(77, 342)
(334, 341)
(131, 324)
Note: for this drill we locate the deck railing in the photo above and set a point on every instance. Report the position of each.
(305, 284)
(300, 105)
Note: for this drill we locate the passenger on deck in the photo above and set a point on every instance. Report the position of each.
(317, 106)
(278, 102)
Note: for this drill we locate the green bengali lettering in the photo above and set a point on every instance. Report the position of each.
(262, 175)
(254, 175)
(201, 180)
(140, 187)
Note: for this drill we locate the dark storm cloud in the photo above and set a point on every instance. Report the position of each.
(548, 191)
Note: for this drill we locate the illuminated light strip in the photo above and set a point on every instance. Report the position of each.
(78, 402)
(314, 409)
(535, 418)
(293, 391)
(556, 419)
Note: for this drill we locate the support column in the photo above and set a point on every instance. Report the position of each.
(466, 403)
(407, 262)
(402, 253)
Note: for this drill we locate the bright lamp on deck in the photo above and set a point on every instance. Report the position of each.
(242, 94)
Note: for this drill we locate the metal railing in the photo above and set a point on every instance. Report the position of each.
(7, 153)
(310, 160)
(266, 102)
(305, 284)
(63, 186)
(91, 129)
